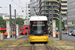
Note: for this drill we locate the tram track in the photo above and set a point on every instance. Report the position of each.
(12, 48)
(48, 46)
(19, 46)
(32, 47)
(5, 46)
(44, 47)
(21, 43)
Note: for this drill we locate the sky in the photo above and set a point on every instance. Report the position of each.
(19, 5)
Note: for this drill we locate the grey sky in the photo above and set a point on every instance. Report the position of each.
(5, 6)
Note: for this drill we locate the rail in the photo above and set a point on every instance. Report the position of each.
(48, 46)
(19, 45)
(32, 47)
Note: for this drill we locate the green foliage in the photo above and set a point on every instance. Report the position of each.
(20, 21)
(57, 24)
(7, 19)
(2, 21)
(63, 25)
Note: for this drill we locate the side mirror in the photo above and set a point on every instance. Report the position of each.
(26, 28)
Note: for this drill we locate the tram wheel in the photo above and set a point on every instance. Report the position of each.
(25, 33)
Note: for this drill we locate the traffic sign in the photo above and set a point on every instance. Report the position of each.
(7, 21)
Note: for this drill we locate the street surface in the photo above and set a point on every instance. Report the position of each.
(13, 38)
(67, 37)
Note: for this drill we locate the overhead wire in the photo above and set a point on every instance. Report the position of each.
(16, 4)
(24, 7)
(21, 3)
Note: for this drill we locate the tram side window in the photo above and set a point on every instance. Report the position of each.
(2, 31)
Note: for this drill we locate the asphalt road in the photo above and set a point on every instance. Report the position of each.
(67, 37)
(13, 38)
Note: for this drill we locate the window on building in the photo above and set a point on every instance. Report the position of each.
(63, 1)
(64, 6)
(28, 5)
(28, 10)
(64, 10)
(57, 0)
(64, 14)
(55, 15)
(30, 0)
(28, 13)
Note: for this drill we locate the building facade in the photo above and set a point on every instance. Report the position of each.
(71, 14)
(45, 6)
(27, 10)
(26, 22)
(64, 12)
(1, 14)
(13, 17)
(34, 7)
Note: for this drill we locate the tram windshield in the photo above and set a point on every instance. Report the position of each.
(38, 27)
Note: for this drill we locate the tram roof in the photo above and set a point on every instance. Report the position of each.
(38, 18)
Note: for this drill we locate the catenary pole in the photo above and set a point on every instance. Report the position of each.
(15, 22)
(52, 11)
(52, 17)
(10, 21)
(49, 17)
(60, 23)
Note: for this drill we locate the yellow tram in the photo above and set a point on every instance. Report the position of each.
(38, 29)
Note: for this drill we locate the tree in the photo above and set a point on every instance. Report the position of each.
(57, 24)
(2, 21)
(19, 21)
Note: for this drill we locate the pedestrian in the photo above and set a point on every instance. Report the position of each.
(56, 34)
(49, 33)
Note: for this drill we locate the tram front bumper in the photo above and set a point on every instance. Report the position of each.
(38, 38)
